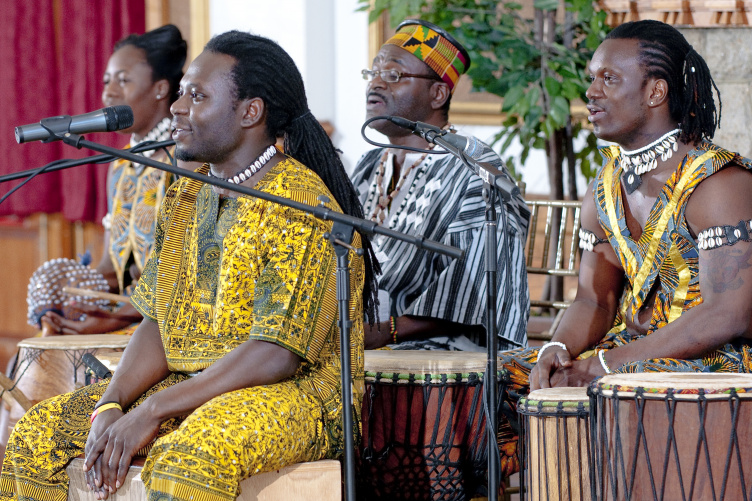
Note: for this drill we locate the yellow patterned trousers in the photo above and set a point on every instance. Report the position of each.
(203, 457)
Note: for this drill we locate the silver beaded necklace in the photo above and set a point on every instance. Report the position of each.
(638, 162)
(251, 169)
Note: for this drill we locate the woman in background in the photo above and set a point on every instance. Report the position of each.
(143, 72)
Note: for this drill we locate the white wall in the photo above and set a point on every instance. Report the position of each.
(325, 38)
(328, 40)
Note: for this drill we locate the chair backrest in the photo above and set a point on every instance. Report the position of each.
(552, 246)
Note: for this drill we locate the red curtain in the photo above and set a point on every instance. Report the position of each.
(53, 54)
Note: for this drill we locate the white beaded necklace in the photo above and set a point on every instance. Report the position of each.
(160, 132)
(383, 199)
(638, 162)
(251, 169)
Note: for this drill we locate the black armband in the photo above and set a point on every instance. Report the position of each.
(716, 236)
(588, 240)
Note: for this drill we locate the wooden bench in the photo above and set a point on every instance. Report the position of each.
(320, 480)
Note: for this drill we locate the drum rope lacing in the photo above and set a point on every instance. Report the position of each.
(554, 409)
(26, 357)
(439, 475)
(702, 449)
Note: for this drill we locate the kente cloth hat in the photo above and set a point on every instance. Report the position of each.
(435, 47)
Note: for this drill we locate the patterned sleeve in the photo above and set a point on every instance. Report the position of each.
(144, 297)
(294, 300)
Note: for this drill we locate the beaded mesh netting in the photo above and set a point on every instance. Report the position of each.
(45, 291)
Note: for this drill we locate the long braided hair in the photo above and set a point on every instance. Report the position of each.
(264, 70)
(666, 54)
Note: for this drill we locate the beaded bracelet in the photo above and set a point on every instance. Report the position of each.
(602, 358)
(104, 407)
(393, 329)
(548, 345)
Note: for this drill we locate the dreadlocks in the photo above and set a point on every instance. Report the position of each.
(667, 55)
(264, 70)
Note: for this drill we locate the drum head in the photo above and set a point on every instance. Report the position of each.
(424, 362)
(563, 394)
(555, 400)
(682, 385)
(82, 342)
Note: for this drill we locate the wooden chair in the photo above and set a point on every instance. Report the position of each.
(676, 12)
(551, 252)
(620, 11)
(728, 12)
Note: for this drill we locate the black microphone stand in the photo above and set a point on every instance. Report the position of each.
(340, 238)
(96, 159)
(493, 181)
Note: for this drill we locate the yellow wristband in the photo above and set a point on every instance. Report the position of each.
(105, 407)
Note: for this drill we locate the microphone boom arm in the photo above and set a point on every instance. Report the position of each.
(363, 226)
(74, 162)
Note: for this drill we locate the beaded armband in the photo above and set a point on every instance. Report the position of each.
(716, 236)
(588, 240)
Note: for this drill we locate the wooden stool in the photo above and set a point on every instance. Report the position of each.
(320, 479)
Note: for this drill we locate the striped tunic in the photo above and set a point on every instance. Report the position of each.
(442, 200)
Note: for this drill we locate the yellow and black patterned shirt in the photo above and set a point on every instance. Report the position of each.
(254, 270)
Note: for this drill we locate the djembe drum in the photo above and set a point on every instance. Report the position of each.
(50, 366)
(424, 433)
(555, 444)
(672, 436)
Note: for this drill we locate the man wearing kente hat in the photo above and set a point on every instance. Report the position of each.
(428, 301)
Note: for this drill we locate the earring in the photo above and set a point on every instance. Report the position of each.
(651, 103)
(159, 96)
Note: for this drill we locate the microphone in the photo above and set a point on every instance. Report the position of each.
(99, 369)
(105, 120)
(468, 148)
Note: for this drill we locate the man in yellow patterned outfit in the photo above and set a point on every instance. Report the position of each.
(656, 291)
(235, 368)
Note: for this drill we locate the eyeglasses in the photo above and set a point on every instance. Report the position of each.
(393, 76)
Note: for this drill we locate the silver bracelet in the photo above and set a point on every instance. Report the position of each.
(552, 343)
(602, 358)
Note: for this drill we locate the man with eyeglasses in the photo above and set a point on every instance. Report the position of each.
(429, 301)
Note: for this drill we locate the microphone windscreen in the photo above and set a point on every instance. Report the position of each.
(118, 117)
(473, 148)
